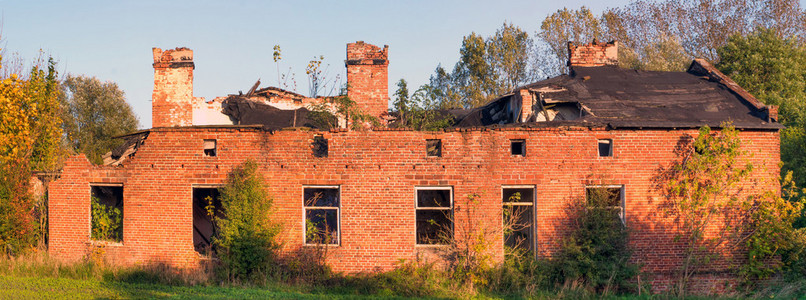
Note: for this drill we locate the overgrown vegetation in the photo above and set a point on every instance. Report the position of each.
(30, 131)
(772, 241)
(419, 111)
(245, 237)
(721, 220)
(596, 254)
(702, 188)
(107, 221)
(327, 113)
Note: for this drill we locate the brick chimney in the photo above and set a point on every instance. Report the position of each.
(173, 88)
(367, 77)
(595, 54)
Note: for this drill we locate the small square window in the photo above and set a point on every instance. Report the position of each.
(518, 147)
(319, 146)
(433, 148)
(605, 147)
(209, 148)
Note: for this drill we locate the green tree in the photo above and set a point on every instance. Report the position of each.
(509, 50)
(420, 110)
(487, 68)
(245, 240)
(95, 112)
(773, 69)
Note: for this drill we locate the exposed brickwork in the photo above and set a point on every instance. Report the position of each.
(172, 99)
(595, 54)
(378, 172)
(367, 77)
(526, 102)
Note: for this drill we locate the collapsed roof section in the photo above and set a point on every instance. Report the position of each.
(624, 98)
(244, 111)
(127, 149)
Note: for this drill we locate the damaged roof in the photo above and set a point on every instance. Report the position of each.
(131, 142)
(625, 98)
(247, 112)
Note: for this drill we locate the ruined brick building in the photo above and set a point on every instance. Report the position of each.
(383, 191)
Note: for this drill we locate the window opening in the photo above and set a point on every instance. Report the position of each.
(319, 146)
(322, 204)
(518, 147)
(518, 217)
(608, 198)
(434, 210)
(433, 148)
(106, 211)
(209, 148)
(206, 205)
(605, 147)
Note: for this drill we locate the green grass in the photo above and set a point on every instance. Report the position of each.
(37, 276)
(64, 288)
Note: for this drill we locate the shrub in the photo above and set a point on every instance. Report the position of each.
(245, 236)
(596, 253)
(773, 243)
(18, 230)
(521, 272)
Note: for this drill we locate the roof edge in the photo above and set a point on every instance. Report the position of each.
(702, 67)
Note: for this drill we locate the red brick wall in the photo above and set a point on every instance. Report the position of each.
(378, 172)
(367, 77)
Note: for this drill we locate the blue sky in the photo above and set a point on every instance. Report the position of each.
(232, 41)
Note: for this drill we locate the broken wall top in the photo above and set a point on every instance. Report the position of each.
(172, 58)
(360, 53)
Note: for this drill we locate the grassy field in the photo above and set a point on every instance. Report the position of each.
(63, 288)
(37, 276)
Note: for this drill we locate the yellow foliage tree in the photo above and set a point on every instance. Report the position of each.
(30, 139)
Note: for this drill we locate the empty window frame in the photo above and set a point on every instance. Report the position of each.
(209, 148)
(605, 147)
(434, 215)
(433, 147)
(322, 208)
(106, 212)
(606, 197)
(517, 147)
(206, 204)
(518, 210)
(319, 146)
